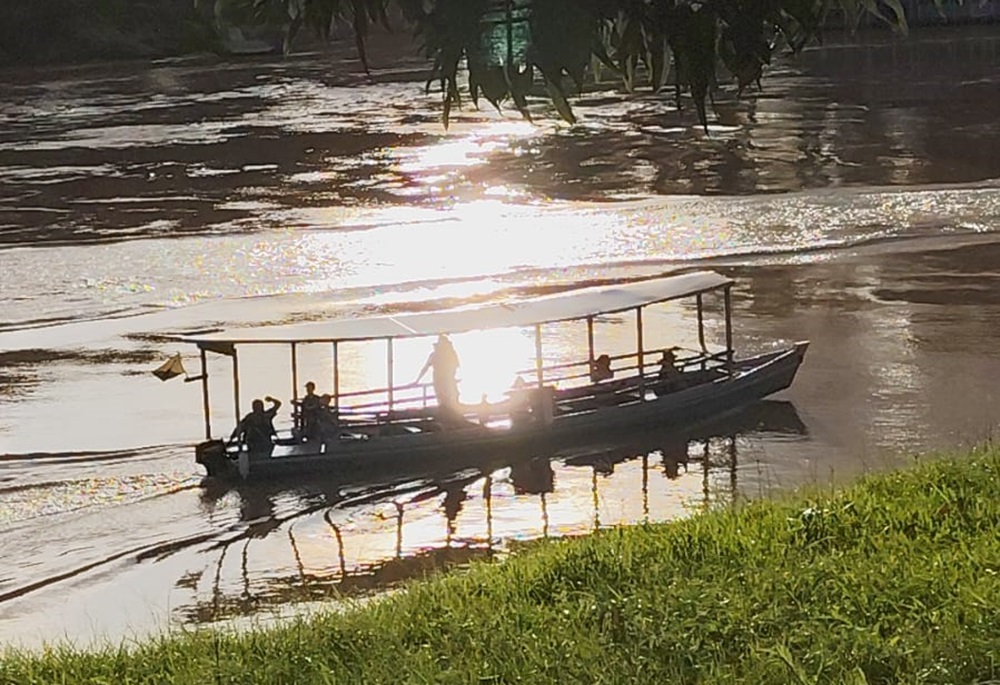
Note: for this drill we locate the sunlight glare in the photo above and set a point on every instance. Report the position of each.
(462, 151)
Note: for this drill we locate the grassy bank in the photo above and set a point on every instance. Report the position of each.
(896, 579)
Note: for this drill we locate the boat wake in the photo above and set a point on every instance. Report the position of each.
(43, 484)
(75, 506)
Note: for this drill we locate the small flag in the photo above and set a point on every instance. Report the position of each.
(170, 369)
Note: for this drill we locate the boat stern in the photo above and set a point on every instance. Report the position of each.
(213, 456)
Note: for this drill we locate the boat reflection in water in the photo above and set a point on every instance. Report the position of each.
(327, 540)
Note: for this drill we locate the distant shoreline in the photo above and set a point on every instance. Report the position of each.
(70, 31)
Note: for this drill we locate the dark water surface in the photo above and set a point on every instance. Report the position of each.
(856, 201)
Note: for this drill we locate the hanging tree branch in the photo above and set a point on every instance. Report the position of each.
(503, 43)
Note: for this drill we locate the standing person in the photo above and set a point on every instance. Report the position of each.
(444, 361)
(256, 429)
(309, 408)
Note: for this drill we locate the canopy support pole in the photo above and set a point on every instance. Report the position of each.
(388, 362)
(705, 489)
(336, 377)
(295, 372)
(732, 466)
(399, 529)
(640, 354)
(729, 327)
(538, 354)
(204, 396)
(488, 498)
(596, 498)
(645, 486)
(590, 341)
(701, 323)
(545, 515)
(236, 385)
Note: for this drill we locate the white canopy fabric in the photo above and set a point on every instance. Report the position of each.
(576, 304)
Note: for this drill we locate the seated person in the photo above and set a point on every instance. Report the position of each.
(484, 410)
(530, 404)
(543, 404)
(520, 403)
(669, 375)
(327, 426)
(600, 369)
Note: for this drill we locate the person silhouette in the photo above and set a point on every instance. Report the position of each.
(256, 429)
(669, 376)
(327, 423)
(309, 408)
(520, 403)
(444, 361)
(600, 369)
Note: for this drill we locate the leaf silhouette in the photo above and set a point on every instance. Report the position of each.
(503, 42)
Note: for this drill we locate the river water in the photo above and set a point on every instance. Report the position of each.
(856, 200)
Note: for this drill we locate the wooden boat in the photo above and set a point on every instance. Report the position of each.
(562, 409)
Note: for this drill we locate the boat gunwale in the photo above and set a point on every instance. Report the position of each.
(752, 372)
(743, 368)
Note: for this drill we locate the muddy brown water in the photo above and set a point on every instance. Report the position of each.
(856, 201)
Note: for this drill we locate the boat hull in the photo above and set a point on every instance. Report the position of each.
(752, 379)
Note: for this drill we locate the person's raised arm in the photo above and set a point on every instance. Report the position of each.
(272, 412)
(427, 366)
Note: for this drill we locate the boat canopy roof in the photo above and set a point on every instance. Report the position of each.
(576, 304)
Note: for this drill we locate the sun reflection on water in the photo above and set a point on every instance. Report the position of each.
(464, 149)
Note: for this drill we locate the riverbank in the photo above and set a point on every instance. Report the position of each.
(893, 579)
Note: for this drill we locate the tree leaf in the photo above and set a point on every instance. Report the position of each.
(559, 100)
(519, 83)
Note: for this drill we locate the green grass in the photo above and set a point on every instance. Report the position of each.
(893, 580)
